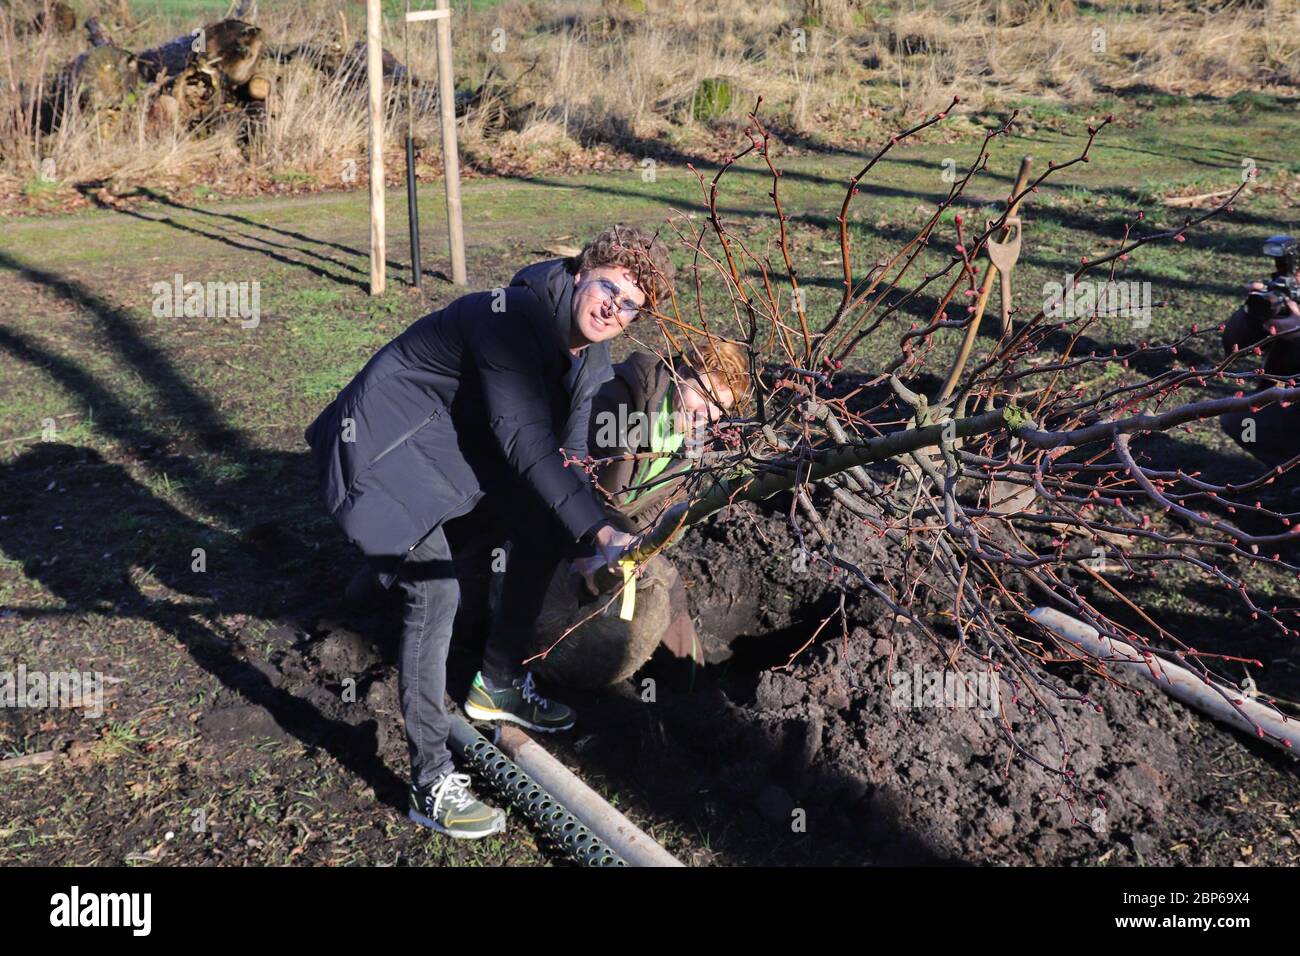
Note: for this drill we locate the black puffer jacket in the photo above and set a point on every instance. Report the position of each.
(468, 400)
(1243, 330)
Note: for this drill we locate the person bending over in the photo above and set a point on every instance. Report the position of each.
(462, 424)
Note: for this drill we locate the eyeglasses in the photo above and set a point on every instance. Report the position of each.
(627, 310)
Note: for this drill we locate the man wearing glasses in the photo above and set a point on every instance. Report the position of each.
(453, 439)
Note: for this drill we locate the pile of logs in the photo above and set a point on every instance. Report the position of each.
(190, 78)
(337, 59)
(101, 78)
(61, 18)
(204, 74)
(201, 72)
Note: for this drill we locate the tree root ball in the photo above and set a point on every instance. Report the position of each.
(604, 649)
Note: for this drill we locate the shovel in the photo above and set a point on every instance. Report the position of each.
(987, 284)
(1003, 255)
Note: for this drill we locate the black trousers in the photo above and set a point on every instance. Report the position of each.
(453, 565)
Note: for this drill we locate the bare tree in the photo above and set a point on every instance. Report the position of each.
(1000, 494)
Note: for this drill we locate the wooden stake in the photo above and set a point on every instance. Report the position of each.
(29, 760)
(450, 153)
(375, 81)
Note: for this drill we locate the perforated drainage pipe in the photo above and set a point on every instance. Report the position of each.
(526, 795)
(627, 839)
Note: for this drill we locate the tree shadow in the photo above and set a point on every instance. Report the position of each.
(1101, 227)
(320, 264)
(93, 532)
(102, 542)
(399, 267)
(110, 561)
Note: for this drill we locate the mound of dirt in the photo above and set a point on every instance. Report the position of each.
(848, 755)
(870, 747)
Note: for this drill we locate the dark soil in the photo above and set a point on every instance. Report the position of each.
(246, 696)
(737, 747)
(743, 760)
(814, 763)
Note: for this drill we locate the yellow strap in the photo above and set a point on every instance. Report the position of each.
(629, 589)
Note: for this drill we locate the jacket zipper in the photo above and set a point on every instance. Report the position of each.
(432, 415)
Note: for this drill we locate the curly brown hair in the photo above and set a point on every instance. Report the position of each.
(638, 250)
(725, 359)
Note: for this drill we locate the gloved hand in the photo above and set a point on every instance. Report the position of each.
(610, 543)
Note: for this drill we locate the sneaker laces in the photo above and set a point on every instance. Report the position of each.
(454, 789)
(529, 691)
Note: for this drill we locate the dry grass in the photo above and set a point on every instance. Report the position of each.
(316, 122)
(559, 81)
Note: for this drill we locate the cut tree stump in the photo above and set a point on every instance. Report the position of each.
(229, 49)
(100, 78)
(258, 87)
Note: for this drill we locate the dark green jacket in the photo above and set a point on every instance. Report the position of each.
(639, 385)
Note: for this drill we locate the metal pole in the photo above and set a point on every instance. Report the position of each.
(412, 211)
(450, 154)
(375, 82)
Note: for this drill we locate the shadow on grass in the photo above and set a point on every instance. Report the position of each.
(75, 541)
(296, 253)
(102, 542)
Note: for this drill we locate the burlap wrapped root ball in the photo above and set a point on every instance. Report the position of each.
(606, 649)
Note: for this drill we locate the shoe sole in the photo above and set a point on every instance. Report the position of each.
(497, 827)
(479, 713)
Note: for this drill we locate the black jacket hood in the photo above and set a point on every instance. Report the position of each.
(552, 282)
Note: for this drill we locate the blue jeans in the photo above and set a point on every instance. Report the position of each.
(433, 582)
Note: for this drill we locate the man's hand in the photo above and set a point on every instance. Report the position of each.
(610, 545)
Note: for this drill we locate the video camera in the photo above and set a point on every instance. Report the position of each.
(1270, 302)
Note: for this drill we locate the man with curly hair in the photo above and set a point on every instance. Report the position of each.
(456, 433)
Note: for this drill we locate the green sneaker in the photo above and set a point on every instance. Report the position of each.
(449, 806)
(520, 704)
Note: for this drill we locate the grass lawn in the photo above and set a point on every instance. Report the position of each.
(175, 434)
